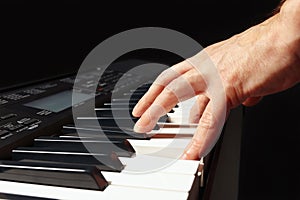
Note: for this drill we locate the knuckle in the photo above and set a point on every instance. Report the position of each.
(206, 120)
(170, 91)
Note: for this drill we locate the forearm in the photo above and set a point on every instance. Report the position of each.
(263, 59)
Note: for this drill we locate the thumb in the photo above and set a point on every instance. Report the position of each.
(251, 101)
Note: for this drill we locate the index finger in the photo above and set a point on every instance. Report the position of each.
(180, 89)
(158, 86)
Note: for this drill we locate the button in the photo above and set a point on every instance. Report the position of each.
(14, 127)
(11, 115)
(31, 121)
(34, 126)
(22, 129)
(2, 101)
(3, 133)
(21, 121)
(6, 136)
(44, 113)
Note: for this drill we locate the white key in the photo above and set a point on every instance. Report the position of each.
(181, 131)
(110, 193)
(156, 180)
(188, 167)
(169, 148)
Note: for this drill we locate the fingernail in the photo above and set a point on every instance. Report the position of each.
(144, 124)
(139, 128)
(184, 157)
(135, 112)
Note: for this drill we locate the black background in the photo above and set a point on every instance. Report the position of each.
(270, 148)
(42, 39)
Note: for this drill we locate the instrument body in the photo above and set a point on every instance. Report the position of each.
(31, 112)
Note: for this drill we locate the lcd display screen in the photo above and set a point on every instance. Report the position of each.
(58, 102)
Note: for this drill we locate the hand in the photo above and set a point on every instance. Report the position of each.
(260, 61)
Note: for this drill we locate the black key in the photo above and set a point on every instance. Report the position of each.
(114, 121)
(135, 95)
(118, 112)
(83, 177)
(111, 133)
(124, 104)
(127, 106)
(117, 121)
(164, 118)
(140, 89)
(21, 197)
(120, 147)
(107, 162)
(131, 100)
(113, 136)
(171, 111)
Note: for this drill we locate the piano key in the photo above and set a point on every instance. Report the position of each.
(124, 104)
(156, 180)
(160, 132)
(109, 112)
(16, 197)
(178, 118)
(84, 177)
(168, 148)
(104, 132)
(121, 112)
(125, 99)
(120, 147)
(136, 95)
(92, 127)
(117, 121)
(171, 148)
(113, 136)
(155, 173)
(113, 121)
(171, 165)
(129, 107)
(176, 125)
(174, 131)
(109, 162)
(112, 192)
(139, 90)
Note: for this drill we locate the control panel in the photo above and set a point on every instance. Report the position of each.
(43, 109)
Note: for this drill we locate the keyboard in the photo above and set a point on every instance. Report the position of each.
(48, 153)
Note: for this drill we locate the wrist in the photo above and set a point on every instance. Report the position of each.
(289, 20)
(253, 62)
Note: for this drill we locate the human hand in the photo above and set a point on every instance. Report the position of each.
(260, 61)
